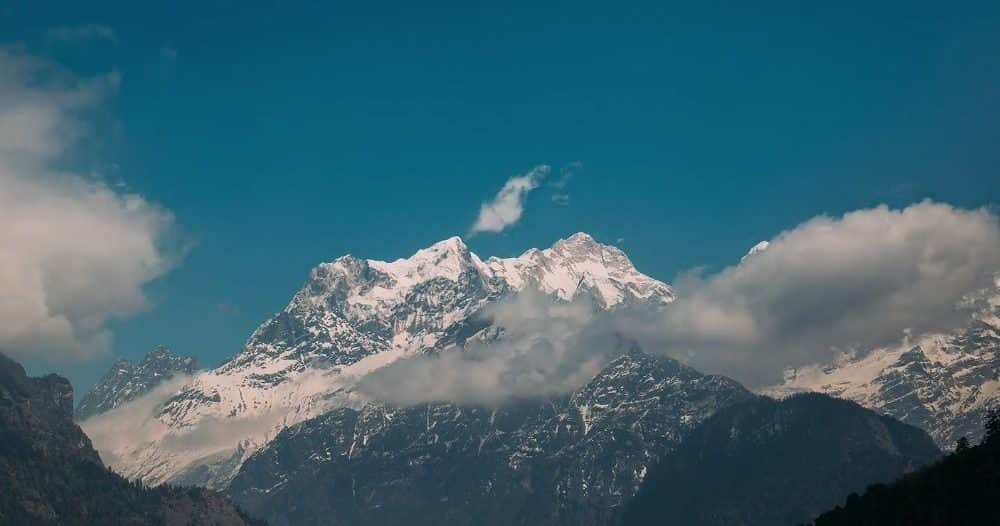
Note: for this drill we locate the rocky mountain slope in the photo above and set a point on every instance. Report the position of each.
(287, 429)
(351, 316)
(126, 381)
(51, 475)
(766, 462)
(569, 460)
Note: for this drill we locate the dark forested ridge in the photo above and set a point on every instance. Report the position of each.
(961, 489)
(51, 475)
(776, 462)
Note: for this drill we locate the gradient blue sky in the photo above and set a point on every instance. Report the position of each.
(284, 137)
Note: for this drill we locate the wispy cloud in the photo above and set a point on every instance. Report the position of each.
(507, 206)
(227, 308)
(83, 32)
(559, 194)
(168, 52)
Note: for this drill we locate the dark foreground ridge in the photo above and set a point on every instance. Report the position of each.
(963, 489)
(50, 473)
(768, 462)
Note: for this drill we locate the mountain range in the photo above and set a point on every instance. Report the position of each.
(351, 316)
(284, 428)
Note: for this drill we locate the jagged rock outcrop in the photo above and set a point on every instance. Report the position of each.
(126, 381)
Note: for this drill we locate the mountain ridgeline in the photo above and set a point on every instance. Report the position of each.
(126, 381)
(352, 316)
(51, 475)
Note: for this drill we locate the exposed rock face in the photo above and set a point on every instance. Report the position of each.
(39, 412)
(766, 462)
(568, 460)
(51, 475)
(126, 381)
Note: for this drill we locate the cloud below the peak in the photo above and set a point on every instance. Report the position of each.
(536, 347)
(76, 251)
(507, 206)
(858, 281)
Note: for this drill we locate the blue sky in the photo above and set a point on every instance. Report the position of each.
(283, 138)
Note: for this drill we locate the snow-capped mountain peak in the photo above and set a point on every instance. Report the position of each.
(756, 249)
(577, 265)
(446, 259)
(353, 315)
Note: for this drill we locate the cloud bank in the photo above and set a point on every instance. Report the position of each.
(507, 206)
(76, 253)
(852, 282)
(547, 348)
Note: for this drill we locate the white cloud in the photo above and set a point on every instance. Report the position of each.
(547, 348)
(76, 252)
(858, 281)
(134, 423)
(83, 32)
(507, 206)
